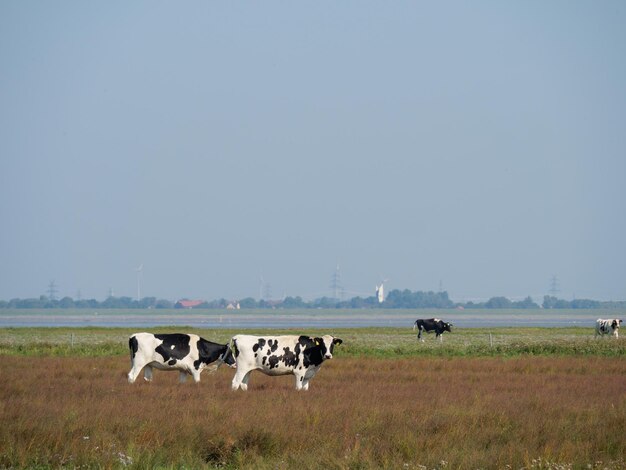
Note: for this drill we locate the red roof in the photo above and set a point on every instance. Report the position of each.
(188, 303)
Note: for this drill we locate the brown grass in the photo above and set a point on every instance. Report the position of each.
(359, 413)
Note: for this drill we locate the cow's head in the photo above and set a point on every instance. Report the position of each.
(447, 326)
(327, 345)
(615, 324)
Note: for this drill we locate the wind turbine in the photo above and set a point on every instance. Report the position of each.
(380, 292)
(139, 272)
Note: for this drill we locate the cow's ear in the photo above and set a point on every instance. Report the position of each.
(337, 341)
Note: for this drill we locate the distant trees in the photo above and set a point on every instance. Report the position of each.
(248, 302)
(498, 302)
(67, 302)
(526, 303)
(502, 303)
(419, 299)
(395, 299)
(162, 303)
(293, 302)
(552, 302)
(359, 302)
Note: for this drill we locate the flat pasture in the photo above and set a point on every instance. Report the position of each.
(481, 399)
(358, 342)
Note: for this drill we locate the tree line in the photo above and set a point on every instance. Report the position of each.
(395, 299)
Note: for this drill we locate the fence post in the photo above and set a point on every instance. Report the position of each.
(72, 342)
(490, 341)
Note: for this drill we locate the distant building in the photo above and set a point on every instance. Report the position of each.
(380, 293)
(185, 303)
(233, 305)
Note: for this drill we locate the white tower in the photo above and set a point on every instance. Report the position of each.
(380, 292)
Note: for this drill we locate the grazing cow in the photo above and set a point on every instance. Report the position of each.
(188, 354)
(432, 324)
(608, 327)
(301, 356)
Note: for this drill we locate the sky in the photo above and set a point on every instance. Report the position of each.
(474, 147)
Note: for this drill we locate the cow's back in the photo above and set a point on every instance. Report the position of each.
(274, 355)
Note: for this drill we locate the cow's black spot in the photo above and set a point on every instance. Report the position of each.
(133, 345)
(263, 360)
(273, 361)
(290, 359)
(274, 346)
(174, 346)
(171, 362)
(305, 342)
(259, 344)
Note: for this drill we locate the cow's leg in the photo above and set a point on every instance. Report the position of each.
(419, 334)
(134, 371)
(244, 382)
(147, 374)
(299, 381)
(305, 384)
(240, 380)
(182, 377)
(195, 373)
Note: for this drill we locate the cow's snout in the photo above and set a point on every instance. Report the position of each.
(328, 356)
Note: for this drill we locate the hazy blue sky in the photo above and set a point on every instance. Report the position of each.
(480, 144)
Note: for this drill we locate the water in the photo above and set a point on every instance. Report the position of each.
(299, 319)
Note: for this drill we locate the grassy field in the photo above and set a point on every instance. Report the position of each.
(371, 342)
(522, 398)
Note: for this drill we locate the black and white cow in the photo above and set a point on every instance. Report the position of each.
(301, 356)
(188, 354)
(608, 327)
(430, 325)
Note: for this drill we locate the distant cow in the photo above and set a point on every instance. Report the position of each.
(188, 354)
(301, 356)
(608, 327)
(430, 325)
